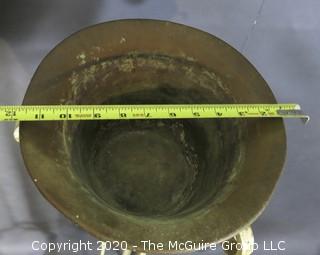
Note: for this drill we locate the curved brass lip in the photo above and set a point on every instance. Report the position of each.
(189, 29)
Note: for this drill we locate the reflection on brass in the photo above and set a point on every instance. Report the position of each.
(199, 180)
(242, 243)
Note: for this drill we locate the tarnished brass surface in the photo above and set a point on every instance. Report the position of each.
(159, 180)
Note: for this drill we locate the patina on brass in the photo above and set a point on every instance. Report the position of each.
(159, 180)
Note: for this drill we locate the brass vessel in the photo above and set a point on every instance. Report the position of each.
(160, 180)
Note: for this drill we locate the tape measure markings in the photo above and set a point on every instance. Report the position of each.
(179, 111)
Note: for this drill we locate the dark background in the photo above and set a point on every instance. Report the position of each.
(281, 38)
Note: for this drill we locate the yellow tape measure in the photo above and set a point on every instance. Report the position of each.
(176, 111)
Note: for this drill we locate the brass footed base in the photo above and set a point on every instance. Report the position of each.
(242, 243)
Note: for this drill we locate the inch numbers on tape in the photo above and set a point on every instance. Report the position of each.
(175, 111)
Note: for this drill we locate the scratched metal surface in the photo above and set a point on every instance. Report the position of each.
(281, 38)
